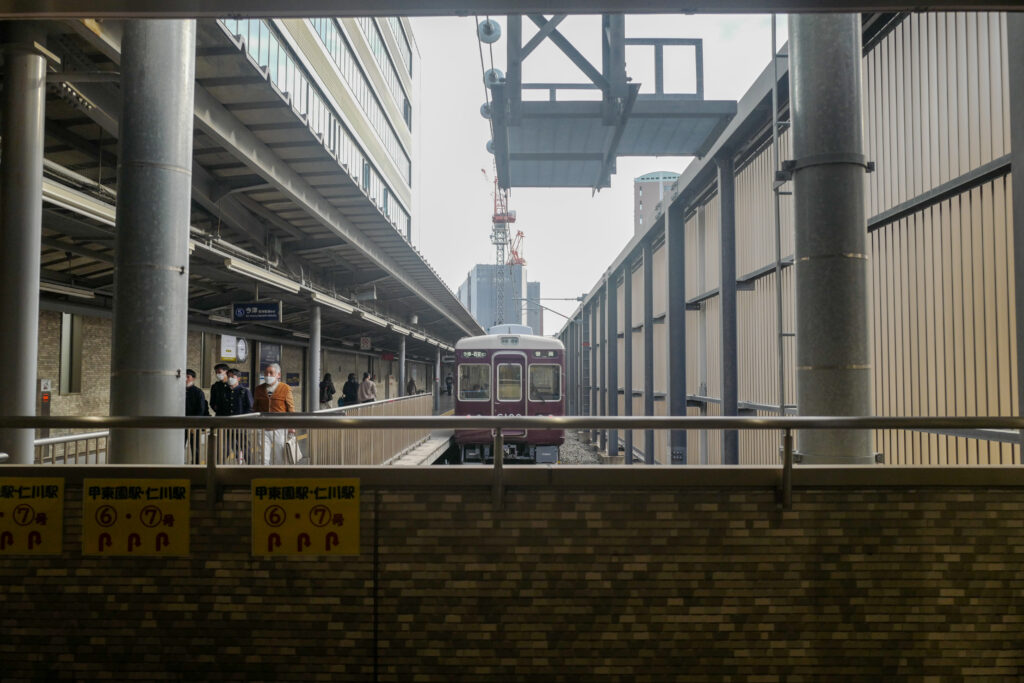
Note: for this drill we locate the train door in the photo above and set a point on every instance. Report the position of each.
(509, 379)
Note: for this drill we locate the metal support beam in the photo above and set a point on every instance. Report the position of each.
(593, 365)
(1015, 50)
(401, 365)
(727, 299)
(515, 54)
(627, 352)
(21, 228)
(833, 348)
(151, 253)
(437, 381)
(572, 53)
(675, 266)
(648, 348)
(613, 64)
(313, 361)
(612, 356)
(602, 361)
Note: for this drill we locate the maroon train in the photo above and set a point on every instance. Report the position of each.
(510, 374)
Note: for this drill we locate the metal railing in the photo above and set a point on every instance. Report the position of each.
(342, 446)
(72, 449)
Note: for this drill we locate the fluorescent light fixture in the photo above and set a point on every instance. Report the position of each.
(54, 288)
(331, 302)
(399, 329)
(371, 318)
(220, 319)
(300, 335)
(434, 342)
(417, 335)
(262, 275)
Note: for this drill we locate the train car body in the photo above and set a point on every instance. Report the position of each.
(510, 374)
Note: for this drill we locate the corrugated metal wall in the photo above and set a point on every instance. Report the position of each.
(936, 107)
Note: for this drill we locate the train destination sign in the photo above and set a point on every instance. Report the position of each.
(305, 517)
(136, 517)
(31, 515)
(256, 311)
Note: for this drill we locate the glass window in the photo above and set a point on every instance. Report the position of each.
(545, 383)
(475, 382)
(510, 382)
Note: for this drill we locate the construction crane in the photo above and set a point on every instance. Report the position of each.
(500, 220)
(515, 250)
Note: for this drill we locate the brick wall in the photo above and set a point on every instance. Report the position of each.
(560, 585)
(94, 399)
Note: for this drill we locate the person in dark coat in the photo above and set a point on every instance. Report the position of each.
(327, 392)
(195, 406)
(350, 391)
(219, 391)
(239, 402)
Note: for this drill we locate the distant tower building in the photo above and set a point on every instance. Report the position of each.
(478, 296)
(534, 313)
(648, 191)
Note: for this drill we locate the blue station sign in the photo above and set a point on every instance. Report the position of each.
(256, 311)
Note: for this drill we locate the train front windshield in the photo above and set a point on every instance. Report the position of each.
(545, 383)
(475, 382)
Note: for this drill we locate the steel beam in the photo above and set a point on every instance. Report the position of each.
(648, 251)
(602, 362)
(593, 366)
(675, 266)
(151, 251)
(437, 381)
(612, 358)
(627, 352)
(152, 9)
(401, 365)
(1015, 51)
(21, 228)
(727, 303)
(313, 361)
(833, 346)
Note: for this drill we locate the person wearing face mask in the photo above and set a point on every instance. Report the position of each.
(219, 393)
(274, 396)
(195, 405)
(238, 402)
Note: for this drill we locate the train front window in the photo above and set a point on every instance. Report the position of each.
(510, 382)
(545, 383)
(475, 382)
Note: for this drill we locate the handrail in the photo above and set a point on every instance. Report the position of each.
(306, 420)
(51, 440)
(339, 409)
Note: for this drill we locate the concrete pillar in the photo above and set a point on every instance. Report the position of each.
(675, 252)
(612, 355)
(833, 347)
(151, 251)
(21, 202)
(648, 348)
(627, 352)
(1015, 49)
(313, 362)
(401, 365)
(727, 303)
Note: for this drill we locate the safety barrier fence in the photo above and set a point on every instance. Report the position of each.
(340, 421)
(254, 446)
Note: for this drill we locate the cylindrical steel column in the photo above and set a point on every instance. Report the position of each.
(1015, 53)
(727, 303)
(21, 215)
(648, 348)
(627, 352)
(401, 365)
(437, 381)
(675, 246)
(612, 356)
(313, 362)
(151, 255)
(833, 348)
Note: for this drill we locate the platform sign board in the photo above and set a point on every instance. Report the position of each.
(365, 343)
(256, 311)
(31, 515)
(305, 517)
(136, 517)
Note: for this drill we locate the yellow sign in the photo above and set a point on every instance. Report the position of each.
(305, 517)
(135, 517)
(31, 516)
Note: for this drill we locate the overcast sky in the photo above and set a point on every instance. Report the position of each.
(570, 236)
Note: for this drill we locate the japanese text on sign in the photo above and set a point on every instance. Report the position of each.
(305, 517)
(31, 516)
(133, 517)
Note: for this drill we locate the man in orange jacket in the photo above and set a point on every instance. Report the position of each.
(274, 396)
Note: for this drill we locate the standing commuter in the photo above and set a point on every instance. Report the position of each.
(448, 383)
(350, 391)
(367, 389)
(326, 392)
(238, 401)
(219, 391)
(410, 387)
(195, 406)
(274, 396)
